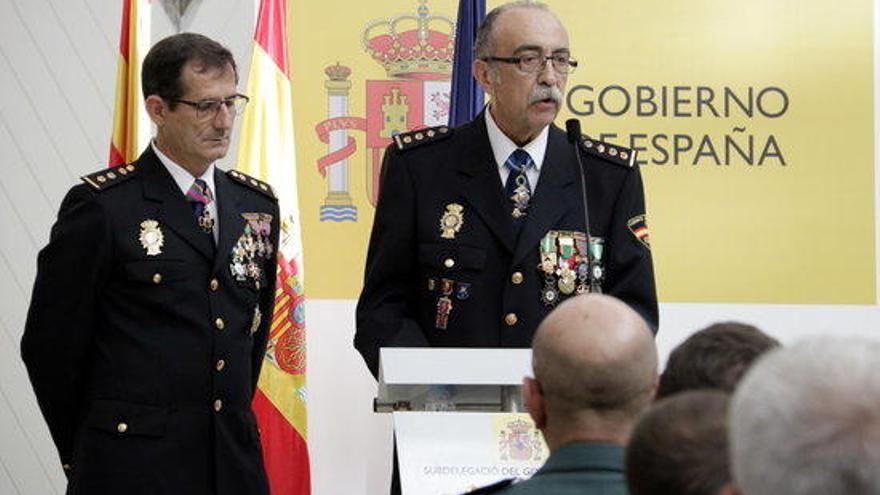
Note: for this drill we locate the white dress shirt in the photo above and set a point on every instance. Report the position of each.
(503, 146)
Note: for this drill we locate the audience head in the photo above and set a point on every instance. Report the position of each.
(679, 447)
(715, 357)
(805, 420)
(595, 367)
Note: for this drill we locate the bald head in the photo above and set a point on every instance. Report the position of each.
(594, 353)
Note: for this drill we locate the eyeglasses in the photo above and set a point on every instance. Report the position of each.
(530, 64)
(209, 108)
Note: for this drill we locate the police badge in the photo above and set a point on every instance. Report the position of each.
(451, 221)
(151, 237)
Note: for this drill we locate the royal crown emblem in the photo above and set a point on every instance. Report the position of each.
(416, 52)
(411, 46)
(519, 441)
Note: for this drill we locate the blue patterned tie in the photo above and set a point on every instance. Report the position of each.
(517, 189)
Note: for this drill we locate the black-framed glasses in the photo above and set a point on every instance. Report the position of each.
(530, 64)
(208, 108)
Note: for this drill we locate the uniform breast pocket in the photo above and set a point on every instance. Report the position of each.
(157, 271)
(447, 258)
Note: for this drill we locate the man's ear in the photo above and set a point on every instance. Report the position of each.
(533, 399)
(483, 76)
(156, 109)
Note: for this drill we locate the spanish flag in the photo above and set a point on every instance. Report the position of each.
(266, 151)
(130, 123)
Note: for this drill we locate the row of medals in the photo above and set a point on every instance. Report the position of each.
(565, 264)
(252, 248)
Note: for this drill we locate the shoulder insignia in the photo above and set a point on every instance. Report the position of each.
(109, 177)
(247, 180)
(494, 487)
(615, 154)
(413, 139)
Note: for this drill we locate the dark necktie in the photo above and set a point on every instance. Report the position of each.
(517, 188)
(199, 197)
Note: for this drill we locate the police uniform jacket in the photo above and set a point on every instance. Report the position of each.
(144, 355)
(488, 272)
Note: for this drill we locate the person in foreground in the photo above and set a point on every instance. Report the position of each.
(479, 231)
(716, 357)
(152, 302)
(595, 367)
(679, 447)
(805, 420)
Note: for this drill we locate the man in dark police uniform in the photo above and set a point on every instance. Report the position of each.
(480, 231)
(151, 306)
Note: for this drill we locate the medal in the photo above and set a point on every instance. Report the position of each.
(451, 220)
(151, 237)
(462, 291)
(444, 307)
(549, 296)
(258, 317)
(521, 196)
(206, 222)
(566, 281)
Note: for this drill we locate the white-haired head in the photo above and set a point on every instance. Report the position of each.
(806, 420)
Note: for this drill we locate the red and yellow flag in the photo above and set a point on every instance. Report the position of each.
(266, 151)
(130, 124)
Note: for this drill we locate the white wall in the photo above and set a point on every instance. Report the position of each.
(57, 70)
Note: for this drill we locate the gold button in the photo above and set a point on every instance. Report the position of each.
(66, 467)
(111, 175)
(122, 427)
(220, 365)
(102, 179)
(157, 277)
(449, 262)
(215, 284)
(218, 405)
(219, 323)
(510, 319)
(516, 278)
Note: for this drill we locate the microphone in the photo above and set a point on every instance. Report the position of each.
(573, 130)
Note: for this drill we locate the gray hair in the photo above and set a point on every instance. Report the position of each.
(806, 420)
(483, 43)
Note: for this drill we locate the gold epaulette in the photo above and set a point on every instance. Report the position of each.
(255, 184)
(618, 155)
(413, 139)
(108, 177)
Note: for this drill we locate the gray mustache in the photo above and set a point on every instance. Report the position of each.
(545, 92)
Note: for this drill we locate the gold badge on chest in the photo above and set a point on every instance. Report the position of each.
(451, 220)
(151, 237)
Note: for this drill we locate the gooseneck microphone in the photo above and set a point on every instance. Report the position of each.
(573, 130)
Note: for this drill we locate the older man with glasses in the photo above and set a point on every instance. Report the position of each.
(153, 299)
(481, 230)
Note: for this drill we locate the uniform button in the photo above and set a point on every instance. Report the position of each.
(510, 319)
(218, 405)
(449, 262)
(220, 365)
(516, 278)
(157, 277)
(215, 284)
(122, 427)
(66, 467)
(219, 323)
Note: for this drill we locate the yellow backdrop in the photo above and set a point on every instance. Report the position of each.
(755, 120)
